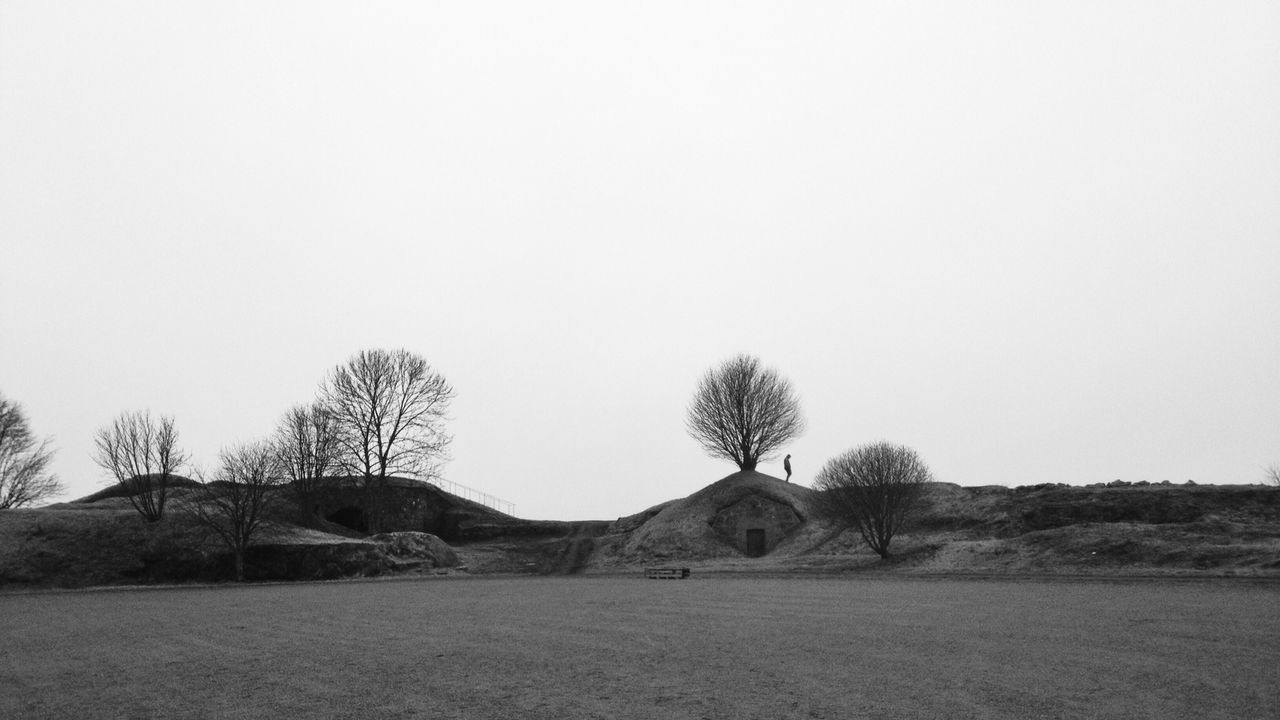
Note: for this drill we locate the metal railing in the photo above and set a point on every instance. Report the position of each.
(474, 495)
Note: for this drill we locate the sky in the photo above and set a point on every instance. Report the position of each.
(1034, 241)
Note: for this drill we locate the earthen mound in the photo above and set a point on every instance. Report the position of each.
(745, 514)
(116, 490)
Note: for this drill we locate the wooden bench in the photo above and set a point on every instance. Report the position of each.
(666, 573)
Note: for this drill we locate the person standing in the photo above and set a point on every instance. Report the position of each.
(786, 465)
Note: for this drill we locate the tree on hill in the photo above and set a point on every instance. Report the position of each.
(1273, 475)
(743, 412)
(235, 503)
(389, 409)
(306, 447)
(24, 460)
(143, 458)
(874, 487)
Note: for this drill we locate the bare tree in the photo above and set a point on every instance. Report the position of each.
(24, 461)
(875, 488)
(1273, 475)
(235, 503)
(306, 446)
(143, 457)
(743, 412)
(389, 408)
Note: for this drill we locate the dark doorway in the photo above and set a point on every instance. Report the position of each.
(755, 543)
(351, 517)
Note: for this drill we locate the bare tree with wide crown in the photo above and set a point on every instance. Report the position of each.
(744, 412)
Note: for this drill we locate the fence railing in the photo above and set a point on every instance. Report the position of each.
(474, 495)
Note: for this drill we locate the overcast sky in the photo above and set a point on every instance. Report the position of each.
(1037, 242)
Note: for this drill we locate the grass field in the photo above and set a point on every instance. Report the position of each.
(622, 647)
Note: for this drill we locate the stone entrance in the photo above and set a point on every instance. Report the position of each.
(755, 524)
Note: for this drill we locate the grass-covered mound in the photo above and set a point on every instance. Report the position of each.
(707, 524)
(1049, 529)
(106, 542)
(1052, 529)
(117, 490)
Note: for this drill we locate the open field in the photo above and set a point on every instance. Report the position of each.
(624, 647)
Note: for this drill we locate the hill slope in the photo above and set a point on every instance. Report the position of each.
(106, 542)
(1160, 529)
(748, 522)
(712, 522)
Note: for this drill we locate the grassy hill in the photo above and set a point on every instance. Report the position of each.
(1153, 529)
(102, 540)
(1150, 529)
(1050, 529)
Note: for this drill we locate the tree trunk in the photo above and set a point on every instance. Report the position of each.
(372, 498)
(239, 565)
(373, 513)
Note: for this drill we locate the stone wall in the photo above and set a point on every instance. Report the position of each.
(755, 513)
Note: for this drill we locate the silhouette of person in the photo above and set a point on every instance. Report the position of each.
(786, 465)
